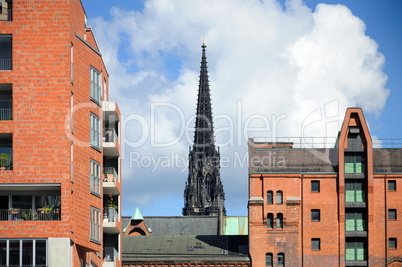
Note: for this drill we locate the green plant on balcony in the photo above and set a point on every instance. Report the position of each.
(30, 215)
(111, 203)
(4, 161)
(46, 209)
(13, 211)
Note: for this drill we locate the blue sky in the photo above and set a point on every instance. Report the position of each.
(285, 68)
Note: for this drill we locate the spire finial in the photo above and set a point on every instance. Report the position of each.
(203, 43)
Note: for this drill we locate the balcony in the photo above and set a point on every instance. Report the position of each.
(6, 162)
(110, 143)
(5, 51)
(111, 220)
(5, 11)
(110, 181)
(40, 214)
(110, 255)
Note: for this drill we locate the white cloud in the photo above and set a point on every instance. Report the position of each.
(283, 63)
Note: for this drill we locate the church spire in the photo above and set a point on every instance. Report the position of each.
(204, 191)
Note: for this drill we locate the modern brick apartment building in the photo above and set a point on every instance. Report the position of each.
(337, 206)
(60, 170)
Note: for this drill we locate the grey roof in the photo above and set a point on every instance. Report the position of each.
(179, 225)
(387, 159)
(193, 248)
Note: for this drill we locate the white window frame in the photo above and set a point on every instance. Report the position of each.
(95, 225)
(96, 86)
(95, 131)
(95, 177)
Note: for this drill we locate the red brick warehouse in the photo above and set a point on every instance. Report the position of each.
(336, 206)
(60, 190)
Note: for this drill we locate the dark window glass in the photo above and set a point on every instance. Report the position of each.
(270, 220)
(40, 252)
(392, 185)
(27, 252)
(14, 252)
(315, 215)
(315, 244)
(3, 252)
(279, 220)
(392, 243)
(281, 259)
(270, 197)
(392, 214)
(355, 249)
(268, 259)
(315, 186)
(279, 197)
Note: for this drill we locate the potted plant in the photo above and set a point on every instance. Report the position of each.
(13, 211)
(4, 161)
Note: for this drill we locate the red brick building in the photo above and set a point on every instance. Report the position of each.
(60, 170)
(337, 206)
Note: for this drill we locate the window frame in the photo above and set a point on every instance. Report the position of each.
(392, 243)
(270, 221)
(95, 131)
(279, 197)
(317, 213)
(95, 85)
(281, 259)
(270, 197)
(315, 186)
(269, 259)
(392, 185)
(315, 244)
(393, 212)
(95, 225)
(35, 251)
(279, 220)
(95, 177)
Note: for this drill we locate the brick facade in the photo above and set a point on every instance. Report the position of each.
(52, 52)
(308, 225)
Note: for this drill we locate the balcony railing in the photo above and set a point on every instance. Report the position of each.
(6, 114)
(110, 135)
(6, 164)
(110, 214)
(109, 254)
(16, 214)
(5, 64)
(110, 174)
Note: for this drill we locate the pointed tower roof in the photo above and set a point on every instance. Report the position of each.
(204, 130)
(137, 216)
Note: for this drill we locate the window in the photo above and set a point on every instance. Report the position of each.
(392, 214)
(268, 259)
(270, 220)
(26, 252)
(281, 259)
(392, 185)
(354, 162)
(270, 197)
(354, 191)
(95, 224)
(6, 102)
(315, 215)
(315, 186)
(392, 243)
(96, 89)
(95, 131)
(279, 197)
(95, 177)
(315, 244)
(355, 220)
(355, 249)
(279, 220)
(5, 52)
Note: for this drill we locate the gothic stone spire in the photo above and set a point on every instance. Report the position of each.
(204, 194)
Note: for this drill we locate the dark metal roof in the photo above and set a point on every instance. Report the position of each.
(387, 160)
(194, 248)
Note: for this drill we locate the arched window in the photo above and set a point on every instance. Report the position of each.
(268, 259)
(270, 197)
(279, 197)
(279, 220)
(281, 259)
(270, 220)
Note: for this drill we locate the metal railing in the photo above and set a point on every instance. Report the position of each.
(109, 254)
(110, 174)
(5, 64)
(110, 135)
(15, 214)
(6, 164)
(110, 214)
(6, 114)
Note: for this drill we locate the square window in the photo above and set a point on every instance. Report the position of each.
(392, 214)
(392, 185)
(392, 243)
(315, 215)
(315, 244)
(315, 186)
